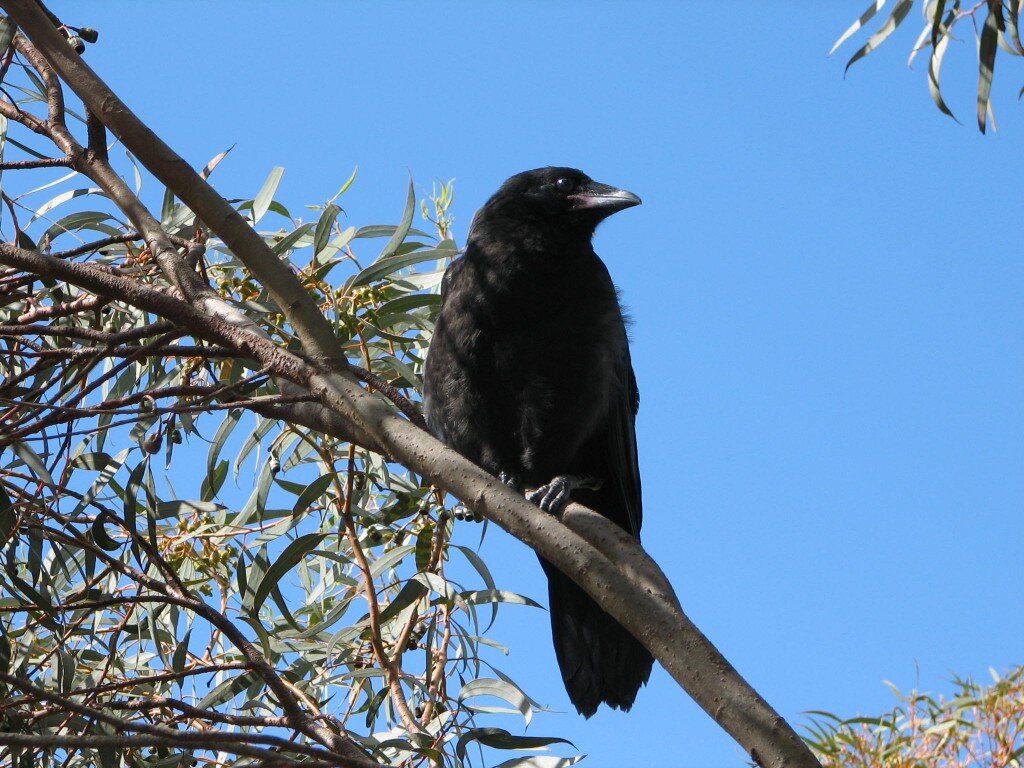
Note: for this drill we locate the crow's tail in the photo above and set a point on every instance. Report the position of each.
(599, 659)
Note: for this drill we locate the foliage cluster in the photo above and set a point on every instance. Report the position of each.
(979, 726)
(993, 23)
(152, 613)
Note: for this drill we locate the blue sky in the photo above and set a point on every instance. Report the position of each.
(825, 281)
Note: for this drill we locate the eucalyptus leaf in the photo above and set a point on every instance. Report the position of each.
(261, 203)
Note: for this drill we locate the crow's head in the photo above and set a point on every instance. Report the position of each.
(564, 197)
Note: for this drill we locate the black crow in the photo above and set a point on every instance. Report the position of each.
(529, 376)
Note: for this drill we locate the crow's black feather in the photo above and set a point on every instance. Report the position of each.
(529, 376)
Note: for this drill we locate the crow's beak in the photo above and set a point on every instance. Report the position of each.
(602, 197)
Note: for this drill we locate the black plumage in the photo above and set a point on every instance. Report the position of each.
(529, 376)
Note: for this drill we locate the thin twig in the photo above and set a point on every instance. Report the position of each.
(42, 162)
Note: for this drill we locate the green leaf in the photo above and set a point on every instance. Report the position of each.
(26, 242)
(541, 761)
(481, 568)
(502, 689)
(7, 30)
(28, 149)
(488, 596)
(1013, 24)
(385, 230)
(75, 221)
(62, 198)
(130, 496)
(499, 738)
(410, 592)
(181, 507)
(410, 302)
(392, 264)
(181, 653)
(223, 431)
(8, 517)
(287, 242)
(111, 468)
(424, 547)
(935, 72)
(937, 12)
(241, 577)
(228, 690)
(987, 64)
(865, 17)
(100, 535)
(214, 481)
(324, 227)
(167, 207)
(899, 13)
(5, 654)
(32, 460)
(346, 185)
(263, 428)
(257, 502)
(92, 461)
(261, 203)
(403, 228)
(389, 560)
(311, 493)
(287, 560)
(54, 183)
(208, 169)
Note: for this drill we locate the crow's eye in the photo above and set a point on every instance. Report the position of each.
(564, 185)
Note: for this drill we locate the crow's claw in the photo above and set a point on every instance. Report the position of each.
(553, 496)
(512, 481)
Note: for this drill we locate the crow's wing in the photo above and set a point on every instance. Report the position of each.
(620, 446)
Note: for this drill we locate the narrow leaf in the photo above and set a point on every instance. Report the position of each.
(392, 264)
(899, 13)
(205, 173)
(7, 30)
(403, 228)
(288, 241)
(987, 65)
(940, 8)
(346, 185)
(324, 227)
(311, 493)
(287, 560)
(935, 72)
(865, 17)
(541, 761)
(261, 203)
(499, 738)
(32, 460)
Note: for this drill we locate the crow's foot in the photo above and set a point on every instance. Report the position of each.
(512, 481)
(553, 496)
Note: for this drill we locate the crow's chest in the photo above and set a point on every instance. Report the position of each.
(555, 351)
